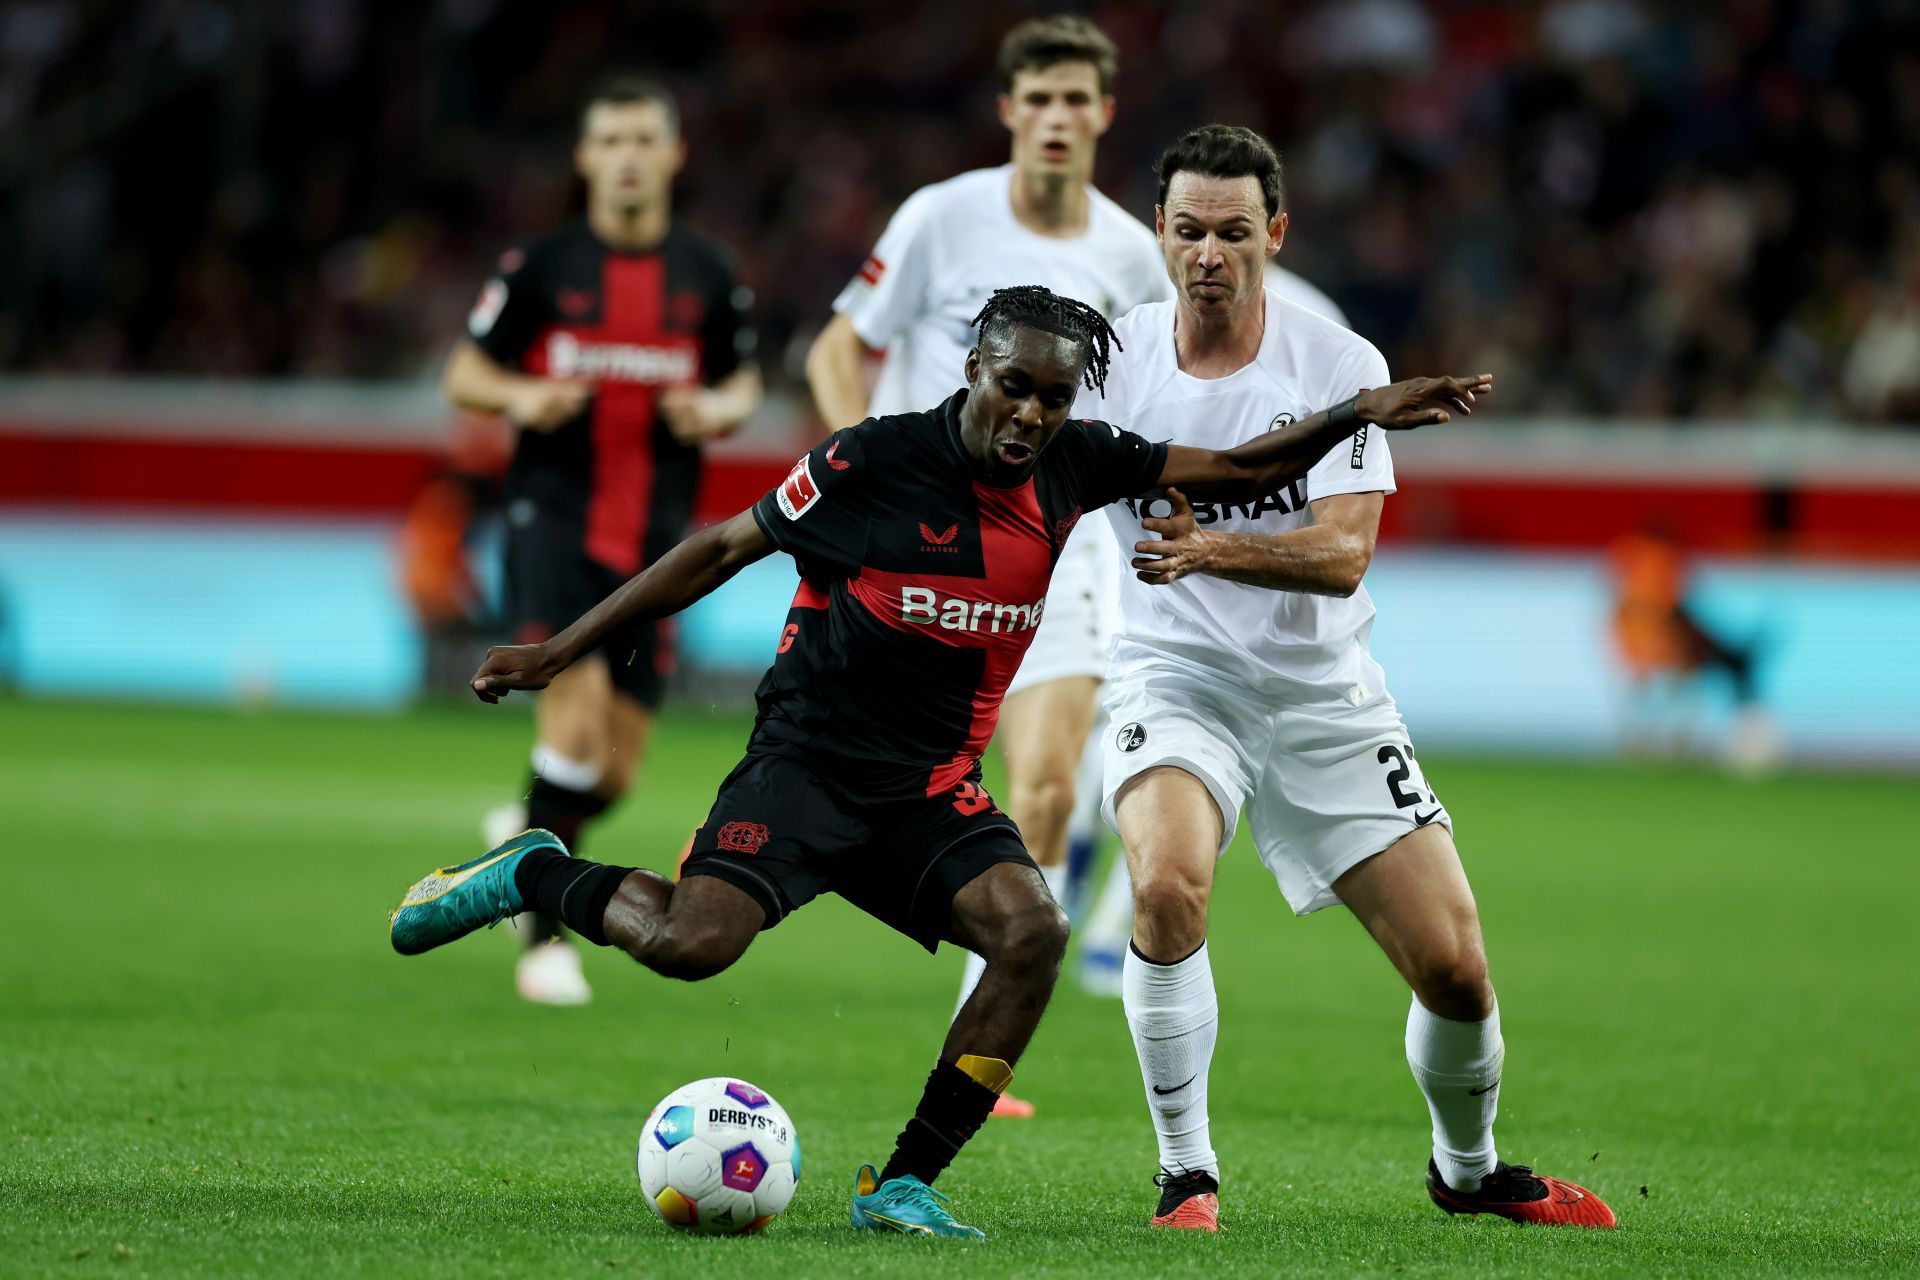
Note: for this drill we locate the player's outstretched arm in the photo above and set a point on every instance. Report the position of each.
(667, 586)
(1269, 461)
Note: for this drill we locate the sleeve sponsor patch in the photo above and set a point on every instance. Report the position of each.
(797, 493)
(493, 300)
(1360, 447)
(871, 270)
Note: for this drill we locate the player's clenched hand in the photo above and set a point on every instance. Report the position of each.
(1180, 548)
(1419, 402)
(692, 414)
(514, 666)
(547, 404)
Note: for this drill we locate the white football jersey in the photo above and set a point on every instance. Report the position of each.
(1306, 363)
(950, 246)
(1302, 292)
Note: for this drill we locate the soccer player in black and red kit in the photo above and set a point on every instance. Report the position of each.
(616, 345)
(925, 543)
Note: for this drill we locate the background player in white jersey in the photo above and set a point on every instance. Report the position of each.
(1035, 220)
(1301, 292)
(1242, 678)
(1103, 935)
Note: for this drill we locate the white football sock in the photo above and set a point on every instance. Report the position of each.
(1111, 923)
(1458, 1067)
(1175, 1019)
(1056, 880)
(564, 771)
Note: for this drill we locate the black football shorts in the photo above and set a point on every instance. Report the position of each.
(785, 834)
(551, 581)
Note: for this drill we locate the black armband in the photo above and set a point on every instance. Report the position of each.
(1344, 414)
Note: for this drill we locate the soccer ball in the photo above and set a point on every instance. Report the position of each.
(719, 1157)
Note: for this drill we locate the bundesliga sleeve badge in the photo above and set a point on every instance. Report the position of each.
(493, 298)
(798, 492)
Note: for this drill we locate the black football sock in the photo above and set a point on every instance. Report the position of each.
(562, 810)
(565, 812)
(952, 1108)
(542, 929)
(571, 890)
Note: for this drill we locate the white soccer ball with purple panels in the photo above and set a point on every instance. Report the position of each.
(719, 1157)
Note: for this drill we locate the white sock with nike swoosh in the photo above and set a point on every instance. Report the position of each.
(1458, 1067)
(1175, 1019)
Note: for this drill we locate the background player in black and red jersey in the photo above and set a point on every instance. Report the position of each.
(618, 345)
(925, 543)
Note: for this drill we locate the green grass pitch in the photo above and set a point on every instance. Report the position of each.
(211, 1063)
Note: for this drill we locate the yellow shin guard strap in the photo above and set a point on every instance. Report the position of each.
(991, 1073)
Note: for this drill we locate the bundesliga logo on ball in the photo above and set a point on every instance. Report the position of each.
(719, 1157)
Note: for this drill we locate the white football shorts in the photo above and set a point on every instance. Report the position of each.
(1325, 784)
(1083, 609)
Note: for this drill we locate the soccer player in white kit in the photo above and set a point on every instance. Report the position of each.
(1035, 220)
(1241, 680)
(1103, 934)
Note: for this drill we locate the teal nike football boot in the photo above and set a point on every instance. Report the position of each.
(454, 901)
(907, 1205)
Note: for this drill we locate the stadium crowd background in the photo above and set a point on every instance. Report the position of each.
(241, 238)
(1699, 209)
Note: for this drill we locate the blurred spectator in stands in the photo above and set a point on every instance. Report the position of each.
(1692, 209)
(1882, 375)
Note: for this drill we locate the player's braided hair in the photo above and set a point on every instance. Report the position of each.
(1041, 308)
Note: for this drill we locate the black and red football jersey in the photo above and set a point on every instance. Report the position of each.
(920, 589)
(633, 324)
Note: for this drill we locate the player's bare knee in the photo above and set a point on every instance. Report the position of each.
(1041, 941)
(1033, 940)
(1051, 930)
(1451, 980)
(1169, 901)
(1047, 794)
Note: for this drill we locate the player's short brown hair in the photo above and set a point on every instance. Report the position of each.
(1039, 43)
(1223, 151)
(619, 88)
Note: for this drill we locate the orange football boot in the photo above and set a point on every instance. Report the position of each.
(1008, 1107)
(1518, 1194)
(1188, 1201)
